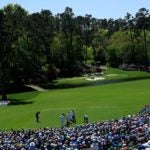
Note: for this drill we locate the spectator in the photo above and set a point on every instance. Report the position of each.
(131, 132)
(32, 146)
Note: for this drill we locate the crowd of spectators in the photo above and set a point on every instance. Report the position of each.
(127, 133)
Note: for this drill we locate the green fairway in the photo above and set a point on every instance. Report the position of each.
(98, 102)
(111, 75)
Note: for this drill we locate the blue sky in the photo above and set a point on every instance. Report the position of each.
(97, 8)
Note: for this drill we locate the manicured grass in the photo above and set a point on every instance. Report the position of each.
(110, 75)
(122, 74)
(98, 102)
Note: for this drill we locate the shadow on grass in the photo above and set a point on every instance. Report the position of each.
(19, 102)
(54, 85)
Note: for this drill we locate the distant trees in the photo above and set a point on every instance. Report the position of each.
(142, 26)
(39, 47)
(132, 37)
(12, 17)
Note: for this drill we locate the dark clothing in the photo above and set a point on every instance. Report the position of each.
(37, 116)
(86, 120)
(73, 116)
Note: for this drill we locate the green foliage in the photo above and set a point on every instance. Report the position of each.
(99, 44)
(118, 48)
(39, 47)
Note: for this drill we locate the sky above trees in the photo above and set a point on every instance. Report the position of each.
(97, 8)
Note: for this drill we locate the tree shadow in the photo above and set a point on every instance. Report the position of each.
(19, 102)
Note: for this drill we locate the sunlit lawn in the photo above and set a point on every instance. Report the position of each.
(98, 102)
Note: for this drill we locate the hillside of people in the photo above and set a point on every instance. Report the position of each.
(131, 132)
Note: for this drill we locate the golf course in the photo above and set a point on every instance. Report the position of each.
(74, 75)
(101, 102)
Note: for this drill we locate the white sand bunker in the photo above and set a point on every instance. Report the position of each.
(95, 78)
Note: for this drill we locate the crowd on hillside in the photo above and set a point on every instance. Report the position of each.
(127, 133)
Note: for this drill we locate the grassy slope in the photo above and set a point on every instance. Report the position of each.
(122, 74)
(116, 74)
(99, 102)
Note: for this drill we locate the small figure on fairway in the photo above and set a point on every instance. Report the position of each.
(68, 119)
(62, 120)
(37, 116)
(86, 119)
(73, 116)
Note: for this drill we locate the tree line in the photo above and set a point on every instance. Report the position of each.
(39, 47)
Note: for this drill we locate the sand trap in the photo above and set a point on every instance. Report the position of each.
(95, 78)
